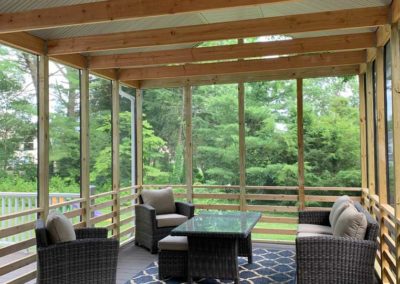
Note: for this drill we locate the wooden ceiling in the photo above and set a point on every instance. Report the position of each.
(298, 57)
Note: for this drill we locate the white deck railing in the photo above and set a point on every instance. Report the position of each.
(11, 202)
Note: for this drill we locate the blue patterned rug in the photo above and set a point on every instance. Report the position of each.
(269, 266)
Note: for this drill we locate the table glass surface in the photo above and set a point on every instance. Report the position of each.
(239, 223)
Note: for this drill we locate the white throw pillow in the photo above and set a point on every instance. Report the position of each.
(60, 228)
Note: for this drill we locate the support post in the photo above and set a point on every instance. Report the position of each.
(242, 146)
(85, 178)
(395, 44)
(187, 93)
(115, 158)
(363, 133)
(43, 141)
(370, 132)
(381, 148)
(139, 140)
(300, 143)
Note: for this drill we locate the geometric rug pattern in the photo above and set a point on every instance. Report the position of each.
(269, 266)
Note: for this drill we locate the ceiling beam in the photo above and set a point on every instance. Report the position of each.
(24, 41)
(244, 66)
(37, 46)
(253, 77)
(112, 10)
(237, 51)
(352, 18)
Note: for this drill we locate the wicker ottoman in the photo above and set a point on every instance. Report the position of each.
(173, 257)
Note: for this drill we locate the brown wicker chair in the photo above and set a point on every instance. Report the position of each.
(92, 258)
(148, 233)
(330, 259)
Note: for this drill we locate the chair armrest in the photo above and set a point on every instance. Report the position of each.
(314, 217)
(331, 259)
(88, 258)
(145, 214)
(91, 233)
(185, 208)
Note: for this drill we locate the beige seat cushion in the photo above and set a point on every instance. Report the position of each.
(310, 228)
(60, 228)
(173, 243)
(351, 223)
(162, 200)
(170, 220)
(302, 235)
(337, 208)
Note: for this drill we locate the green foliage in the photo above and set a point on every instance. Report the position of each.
(331, 132)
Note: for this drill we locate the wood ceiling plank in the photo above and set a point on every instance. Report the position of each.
(351, 18)
(112, 10)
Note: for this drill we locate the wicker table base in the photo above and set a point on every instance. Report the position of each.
(213, 258)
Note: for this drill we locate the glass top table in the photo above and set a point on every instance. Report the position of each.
(234, 224)
(215, 240)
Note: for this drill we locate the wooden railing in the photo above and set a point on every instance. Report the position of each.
(385, 264)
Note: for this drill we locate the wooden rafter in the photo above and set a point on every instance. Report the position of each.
(281, 47)
(352, 18)
(282, 63)
(253, 77)
(112, 10)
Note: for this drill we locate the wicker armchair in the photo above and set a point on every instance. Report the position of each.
(92, 258)
(148, 233)
(331, 259)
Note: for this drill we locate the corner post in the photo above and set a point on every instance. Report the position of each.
(395, 43)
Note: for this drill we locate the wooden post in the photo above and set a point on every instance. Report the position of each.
(381, 125)
(85, 178)
(43, 141)
(139, 140)
(395, 43)
(187, 93)
(115, 157)
(300, 143)
(363, 132)
(242, 145)
(370, 132)
(381, 148)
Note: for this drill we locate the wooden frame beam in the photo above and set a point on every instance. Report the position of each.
(363, 132)
(253, 77)
(282, 63)
(237, 51)
(85, 158)
(115, 157)
(139, 138)
(352, 18)
(112, 10)
(300, 143)
(370, 131)
(395, 43)
(242, 145)
(43, 137)
(187, 94)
